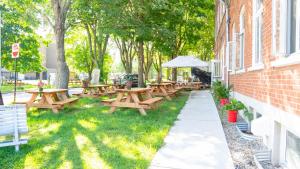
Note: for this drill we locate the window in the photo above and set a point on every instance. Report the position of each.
(216, 69)
(257, 35)
(286, 27)
(232, 49)
(292, 153)
(242, 39)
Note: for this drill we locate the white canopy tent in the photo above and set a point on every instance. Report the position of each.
(185, 61)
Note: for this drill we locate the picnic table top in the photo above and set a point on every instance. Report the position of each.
(116, 84)
(46, 91)
(94, 86)
(173, 82)
(134, 90)
(161, 84)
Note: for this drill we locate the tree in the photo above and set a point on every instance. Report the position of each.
(60, 10)
(90, 14)
(190, 26)
(78, 52)
(16, 29)
(127, 52)
(148, 60)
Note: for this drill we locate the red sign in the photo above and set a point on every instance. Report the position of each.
(15, 50)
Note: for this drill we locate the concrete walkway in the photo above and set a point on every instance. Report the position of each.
(197, 139)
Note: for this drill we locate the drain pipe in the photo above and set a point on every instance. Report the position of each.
(227, 40)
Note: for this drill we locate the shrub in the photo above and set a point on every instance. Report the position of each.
(220, 91)
(234, 105)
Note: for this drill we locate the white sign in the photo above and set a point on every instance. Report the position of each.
(15, 50)
(95, 77)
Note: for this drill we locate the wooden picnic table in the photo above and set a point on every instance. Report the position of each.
(163, 89)
(95, 90)
(117, 86)
(54, 99)
(194, 85)
(138, 98)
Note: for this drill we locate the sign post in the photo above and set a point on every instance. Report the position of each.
(1, 25)
(15, 55)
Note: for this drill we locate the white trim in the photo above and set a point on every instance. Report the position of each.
(292, 59)
(256, 67)
(240, 71)
(257, 39)
(242, 43)
(288, 119)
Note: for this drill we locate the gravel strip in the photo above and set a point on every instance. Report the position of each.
(242, 150)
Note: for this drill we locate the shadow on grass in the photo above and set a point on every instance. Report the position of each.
(120, 140)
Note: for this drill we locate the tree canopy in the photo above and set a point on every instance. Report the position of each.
(150, 31)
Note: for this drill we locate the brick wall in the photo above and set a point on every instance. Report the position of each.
(221, 33)
(278, 86)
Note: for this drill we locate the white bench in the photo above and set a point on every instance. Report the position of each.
(13, 122)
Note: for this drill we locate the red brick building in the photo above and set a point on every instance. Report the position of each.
(258, 47)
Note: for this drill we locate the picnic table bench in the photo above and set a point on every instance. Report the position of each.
(163, 89)
(75, 82)
(139, 98)
(54, 99)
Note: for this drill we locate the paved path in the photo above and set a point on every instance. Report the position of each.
(22, 96)
(197, 139)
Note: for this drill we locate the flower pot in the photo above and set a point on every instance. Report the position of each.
(232, 116)
(223, 102)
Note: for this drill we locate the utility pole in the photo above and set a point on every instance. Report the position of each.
(1, 25)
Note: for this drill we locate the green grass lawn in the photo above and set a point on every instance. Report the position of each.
(86, 136)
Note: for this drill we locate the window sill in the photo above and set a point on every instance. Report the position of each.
(256, 67)
(292, 59)
(240, 71)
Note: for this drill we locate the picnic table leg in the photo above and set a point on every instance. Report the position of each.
(49, 100)
(148, 94)
(128, 99)
(165, 93)
(118, 99)
(137, 101)
(31, 100)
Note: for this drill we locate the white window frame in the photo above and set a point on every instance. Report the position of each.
(285, 57)
(257, 61)
(232, 44)
(242, 42)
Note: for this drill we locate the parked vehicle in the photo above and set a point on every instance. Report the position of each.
(133, 78)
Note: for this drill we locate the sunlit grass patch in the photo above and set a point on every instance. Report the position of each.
(84, 135)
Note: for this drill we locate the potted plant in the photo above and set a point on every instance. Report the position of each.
(232, 109)
(222, 93)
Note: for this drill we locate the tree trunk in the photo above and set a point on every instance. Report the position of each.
(90, 75)
(62, 69)
(174, 74)
(141, 64)
(159, 76)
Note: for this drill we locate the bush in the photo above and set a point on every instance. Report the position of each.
(220, 91)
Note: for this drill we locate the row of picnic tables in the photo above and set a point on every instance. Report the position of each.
(137, 98)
